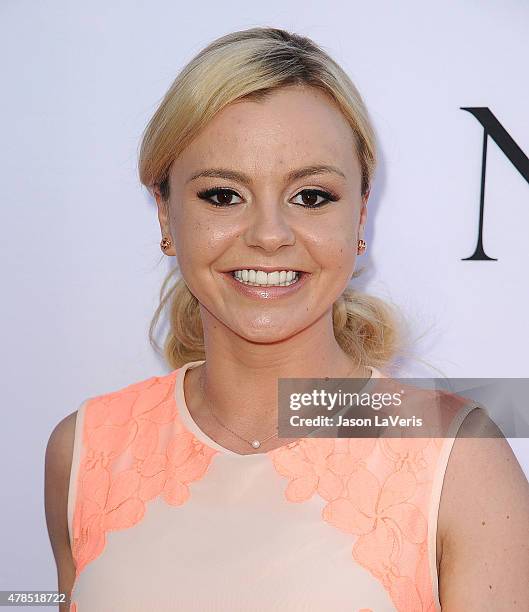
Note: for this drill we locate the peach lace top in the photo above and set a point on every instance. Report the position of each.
(163, 518)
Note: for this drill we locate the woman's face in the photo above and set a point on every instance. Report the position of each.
(261, 160)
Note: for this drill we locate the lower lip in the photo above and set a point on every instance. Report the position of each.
(267, 293)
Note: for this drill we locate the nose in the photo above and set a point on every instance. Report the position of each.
(269, 229)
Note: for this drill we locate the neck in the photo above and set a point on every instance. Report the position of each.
(238, 381)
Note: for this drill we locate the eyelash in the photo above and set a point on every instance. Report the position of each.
(207, 193)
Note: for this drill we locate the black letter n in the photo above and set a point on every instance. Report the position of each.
(492, 127)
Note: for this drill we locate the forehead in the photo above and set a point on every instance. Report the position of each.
(294, 125)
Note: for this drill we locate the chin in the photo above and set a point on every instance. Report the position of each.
(264, 332)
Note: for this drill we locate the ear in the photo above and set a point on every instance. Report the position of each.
(163, 219)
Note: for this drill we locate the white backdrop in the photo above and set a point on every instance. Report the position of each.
(80, 239)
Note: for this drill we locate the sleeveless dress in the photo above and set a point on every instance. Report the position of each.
(163, 518)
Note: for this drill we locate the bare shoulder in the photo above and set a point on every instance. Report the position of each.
(60, 442)
(483, 523)
(58, 462)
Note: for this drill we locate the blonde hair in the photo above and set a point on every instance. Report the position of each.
(251, 64)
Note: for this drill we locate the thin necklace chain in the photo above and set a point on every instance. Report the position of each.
(255, 443)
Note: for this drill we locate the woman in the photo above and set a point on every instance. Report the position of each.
(176, 493)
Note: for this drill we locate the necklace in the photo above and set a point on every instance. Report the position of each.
(253, 443)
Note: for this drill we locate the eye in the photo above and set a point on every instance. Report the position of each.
(311, 196)
(224, 195)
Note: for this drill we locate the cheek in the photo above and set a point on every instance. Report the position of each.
(200, 241)
(341, 256)
(335, 249)
(190, 246)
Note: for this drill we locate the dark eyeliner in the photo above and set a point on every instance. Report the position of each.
(206, 194)
(327, 195)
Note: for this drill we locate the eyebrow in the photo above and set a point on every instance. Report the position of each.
(245, 179)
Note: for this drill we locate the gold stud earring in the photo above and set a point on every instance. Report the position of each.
(165, 243)
(362, 245)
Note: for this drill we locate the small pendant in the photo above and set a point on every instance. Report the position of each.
(256, 444)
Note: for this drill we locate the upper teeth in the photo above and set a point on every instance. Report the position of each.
(258, 277)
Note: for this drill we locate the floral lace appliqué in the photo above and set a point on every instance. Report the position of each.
(134, 449)
(370, 486)
(318, 466)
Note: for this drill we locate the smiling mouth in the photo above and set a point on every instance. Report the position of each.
(281, 278)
